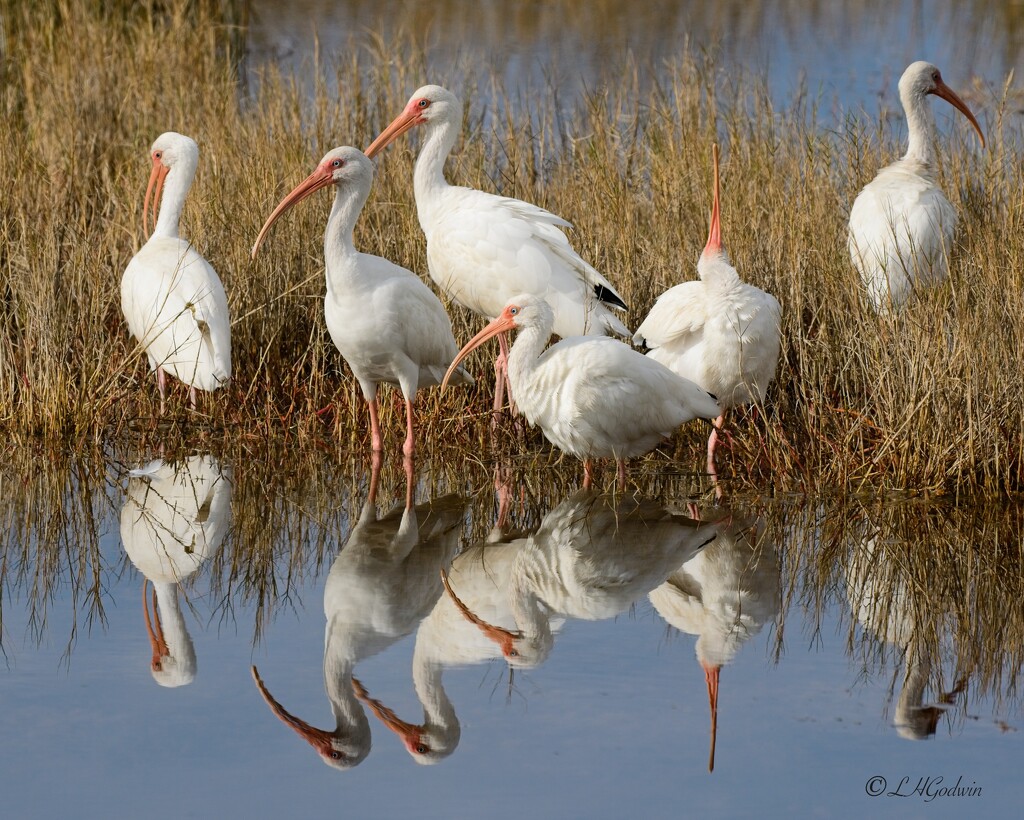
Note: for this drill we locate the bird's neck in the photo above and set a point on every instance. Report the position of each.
(172, 624)
(921, 130)
(530, 616)
(338, 666)
(340, 252)
(428, 177)
(438, 710)
(176, 185)
(523, 360)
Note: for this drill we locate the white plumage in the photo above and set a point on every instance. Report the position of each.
(386, 323)
(385, 580)
(172, 299)
(594, 397)
(484, 249)
(901, 224)
(174, 518)
(718, 332)
(724, 595)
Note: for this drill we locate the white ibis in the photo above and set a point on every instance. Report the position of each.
(591, 558)
(594, 397)
(718, 331)
(447, 637)
(174, 518)
(386, 323)
(724, 595)
(884, 599)
(483, 249)
(385, 580)
(901, 224)
(171, 297)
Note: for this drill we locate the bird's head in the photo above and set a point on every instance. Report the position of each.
(922, 78)
(169, 150)
(521, 311)
(425, 743)
(342, 166)
(431, 103)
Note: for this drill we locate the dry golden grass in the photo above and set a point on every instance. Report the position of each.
(930, 401)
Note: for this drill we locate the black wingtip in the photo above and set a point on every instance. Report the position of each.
(609, 297)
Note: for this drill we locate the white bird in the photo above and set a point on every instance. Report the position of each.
(174, 518)
(718, 331)
(386, 323)
(385, 580)
(171, 297)
(591, 558)
(883, 598)
(724, 595)
(483, 249)
(901, 224)
(452, 635)
(594, 397)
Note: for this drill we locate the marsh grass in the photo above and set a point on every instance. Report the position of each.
(931, 400)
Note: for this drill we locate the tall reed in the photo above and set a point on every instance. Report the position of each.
(931, 400)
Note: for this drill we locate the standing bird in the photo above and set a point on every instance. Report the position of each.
(387, 324)
(483, 249)
(172, 299)
(719, 331)
(593, 397)
(901, 224)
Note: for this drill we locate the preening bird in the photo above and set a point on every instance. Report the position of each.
(174, 518)
(594, 397)
(718, 331)
(386, 323)
(171, 297)
(483, 249)
(901, 224)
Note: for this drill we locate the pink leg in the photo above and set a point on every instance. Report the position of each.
(161, 383)
(192, 398)
(712, 444)
(410, 441)
(409, 480)
(503, 488)
(376, 459)
(376, 442)
(588, 473)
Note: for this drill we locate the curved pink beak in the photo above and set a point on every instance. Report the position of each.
(410, 734)
(156, 634)
(711, 676)
(319, 739)
(153, 191)
(505, 638)
(949, 95)
(714, 245)
(320, 178)
(405, 121)
(504, 323)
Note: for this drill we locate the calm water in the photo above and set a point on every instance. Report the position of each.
(561, 676)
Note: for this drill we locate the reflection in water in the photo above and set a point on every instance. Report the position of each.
(458, 631)
(174, 518)
(724, 595)
(385, 580)
(591, 558)
(884, 601)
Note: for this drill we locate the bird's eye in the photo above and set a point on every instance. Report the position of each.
(513, 653)
(337, 163)
(424, 103)
(158, 154)
(336, 755)
(514, 311)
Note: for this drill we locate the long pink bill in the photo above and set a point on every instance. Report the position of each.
(715, 233)
(320, 178)
(711, 677)
(504, 638)
(399, 125)
(949, 95)
(319, 739)
(502, 324)
(153, 191)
